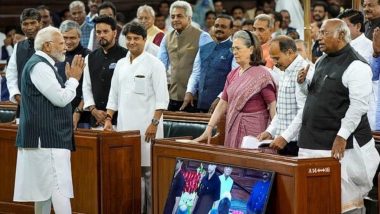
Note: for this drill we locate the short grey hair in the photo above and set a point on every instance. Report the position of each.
(341, 28)
(267, 18)
(146, 8)
(70, 25)
(77, 4)
(184, 5)
(44, 35)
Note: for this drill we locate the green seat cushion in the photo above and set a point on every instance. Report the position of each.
(174, 128)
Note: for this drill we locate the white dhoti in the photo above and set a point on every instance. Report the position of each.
(40, 172)
(358, 167)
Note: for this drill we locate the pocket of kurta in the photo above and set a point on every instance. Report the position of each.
(140, 84)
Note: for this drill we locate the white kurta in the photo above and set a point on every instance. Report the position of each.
(40, 171)
(137, 90)
(225, 185)
(358, 167)
(363, 46)
(359, 164)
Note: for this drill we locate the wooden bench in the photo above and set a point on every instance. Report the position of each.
(105, 170)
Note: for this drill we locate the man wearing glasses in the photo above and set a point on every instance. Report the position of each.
(334, 120)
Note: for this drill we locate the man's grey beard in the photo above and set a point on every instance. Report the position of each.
(61, 58)
(58, 56)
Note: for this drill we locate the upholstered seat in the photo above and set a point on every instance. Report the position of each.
(176, 128)
(7, 115)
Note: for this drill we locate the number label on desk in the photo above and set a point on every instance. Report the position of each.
(319, 170)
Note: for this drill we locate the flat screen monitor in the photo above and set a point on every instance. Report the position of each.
(200, 187)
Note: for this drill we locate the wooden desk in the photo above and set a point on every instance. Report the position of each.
(105, 168)
(301, 185)
(8, 105)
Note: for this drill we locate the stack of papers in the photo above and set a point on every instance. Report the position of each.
(251, 142)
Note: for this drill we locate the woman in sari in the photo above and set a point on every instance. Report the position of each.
(249, 94)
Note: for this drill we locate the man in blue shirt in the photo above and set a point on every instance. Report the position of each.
(375, 66)
(211, 66)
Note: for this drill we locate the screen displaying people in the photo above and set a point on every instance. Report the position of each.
(200, 187)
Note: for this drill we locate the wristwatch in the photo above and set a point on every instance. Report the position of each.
(78, 110)
(155, 122)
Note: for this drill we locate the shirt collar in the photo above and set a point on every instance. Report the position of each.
(375, 22)
(357, 40)
(341, 51)
(226, 40)
(111, 50)
(46, 56)
(137, 59)
(296, 61)
(184, 30)
(76, 50)
(153, 30)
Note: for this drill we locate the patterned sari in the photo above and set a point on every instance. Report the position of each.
(240, 91)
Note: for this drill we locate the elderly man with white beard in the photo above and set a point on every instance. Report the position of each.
(45, 134)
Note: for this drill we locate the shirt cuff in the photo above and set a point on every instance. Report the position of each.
(88, 103)
(13, 99)
(286, 136)
(344, 133)
(13, 95)
(271, 130)
(162, 105)
(72, 83)
(191, 90)
(112, 107)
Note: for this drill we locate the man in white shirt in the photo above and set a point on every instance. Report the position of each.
(340, 129)
(45, 134)
(355, 22)
(360, 43)
(30, 20)
(226, 182)
(290, 100)
(139, 93)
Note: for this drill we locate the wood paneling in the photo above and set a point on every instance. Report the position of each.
(105, 170)
(300, 186)
(8, 105)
